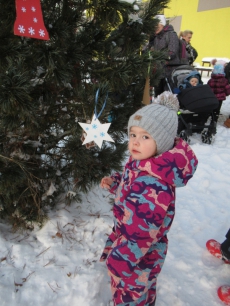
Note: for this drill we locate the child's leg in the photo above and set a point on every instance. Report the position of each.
(152, 293)
(140, 289)
(128, 293)
(134, 295)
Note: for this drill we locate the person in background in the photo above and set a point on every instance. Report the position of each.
(165, 39)
(144, 204)
(219, 85)
(186, 37)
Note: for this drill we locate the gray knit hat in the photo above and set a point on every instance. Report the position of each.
(159, 119)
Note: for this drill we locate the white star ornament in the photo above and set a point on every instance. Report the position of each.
(96, 131)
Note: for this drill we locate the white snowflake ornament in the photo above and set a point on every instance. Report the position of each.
(96, 131)
(134, 18)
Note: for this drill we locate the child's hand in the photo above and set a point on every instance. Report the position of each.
(106, 182)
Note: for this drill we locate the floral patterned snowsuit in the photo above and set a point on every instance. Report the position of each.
(143, 213)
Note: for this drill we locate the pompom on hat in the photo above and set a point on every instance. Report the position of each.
(218, 69)
(159, 119)
(162, 19)
(218, 62)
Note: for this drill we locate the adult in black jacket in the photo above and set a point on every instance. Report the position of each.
(165, 39)
(186, 37)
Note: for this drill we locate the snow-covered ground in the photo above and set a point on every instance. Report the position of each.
(58, 264)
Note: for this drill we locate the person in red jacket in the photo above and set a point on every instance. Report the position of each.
(219, 85)
(144, 204)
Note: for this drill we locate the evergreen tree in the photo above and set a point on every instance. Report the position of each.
(47, 87)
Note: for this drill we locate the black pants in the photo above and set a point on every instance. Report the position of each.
(225, 246)
(161, 87)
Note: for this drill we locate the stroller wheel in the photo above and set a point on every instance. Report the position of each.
(184, 135)
(206, 137)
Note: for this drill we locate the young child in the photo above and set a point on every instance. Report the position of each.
(191, 80)
(219, 85)
(145, 201)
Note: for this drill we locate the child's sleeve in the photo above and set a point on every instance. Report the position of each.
(108, 246)
(116, 177)
(146, 212)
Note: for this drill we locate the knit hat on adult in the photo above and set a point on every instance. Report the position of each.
(159, 119)
(218, 69)
(162, 19)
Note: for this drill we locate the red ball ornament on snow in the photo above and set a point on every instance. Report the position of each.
(224, 294)
(213, 247)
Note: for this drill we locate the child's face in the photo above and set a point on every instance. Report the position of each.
(193, 81)
(141, 144)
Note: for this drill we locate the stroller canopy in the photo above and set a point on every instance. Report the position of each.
(182, 73)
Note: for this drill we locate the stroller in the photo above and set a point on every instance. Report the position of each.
(197, 105)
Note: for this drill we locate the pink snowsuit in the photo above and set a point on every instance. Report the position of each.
(143, 213)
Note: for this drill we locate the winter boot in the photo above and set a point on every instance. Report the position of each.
(215, 248)
(224, 294)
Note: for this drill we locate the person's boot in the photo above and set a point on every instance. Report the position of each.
(223, 293)
(214, 247)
